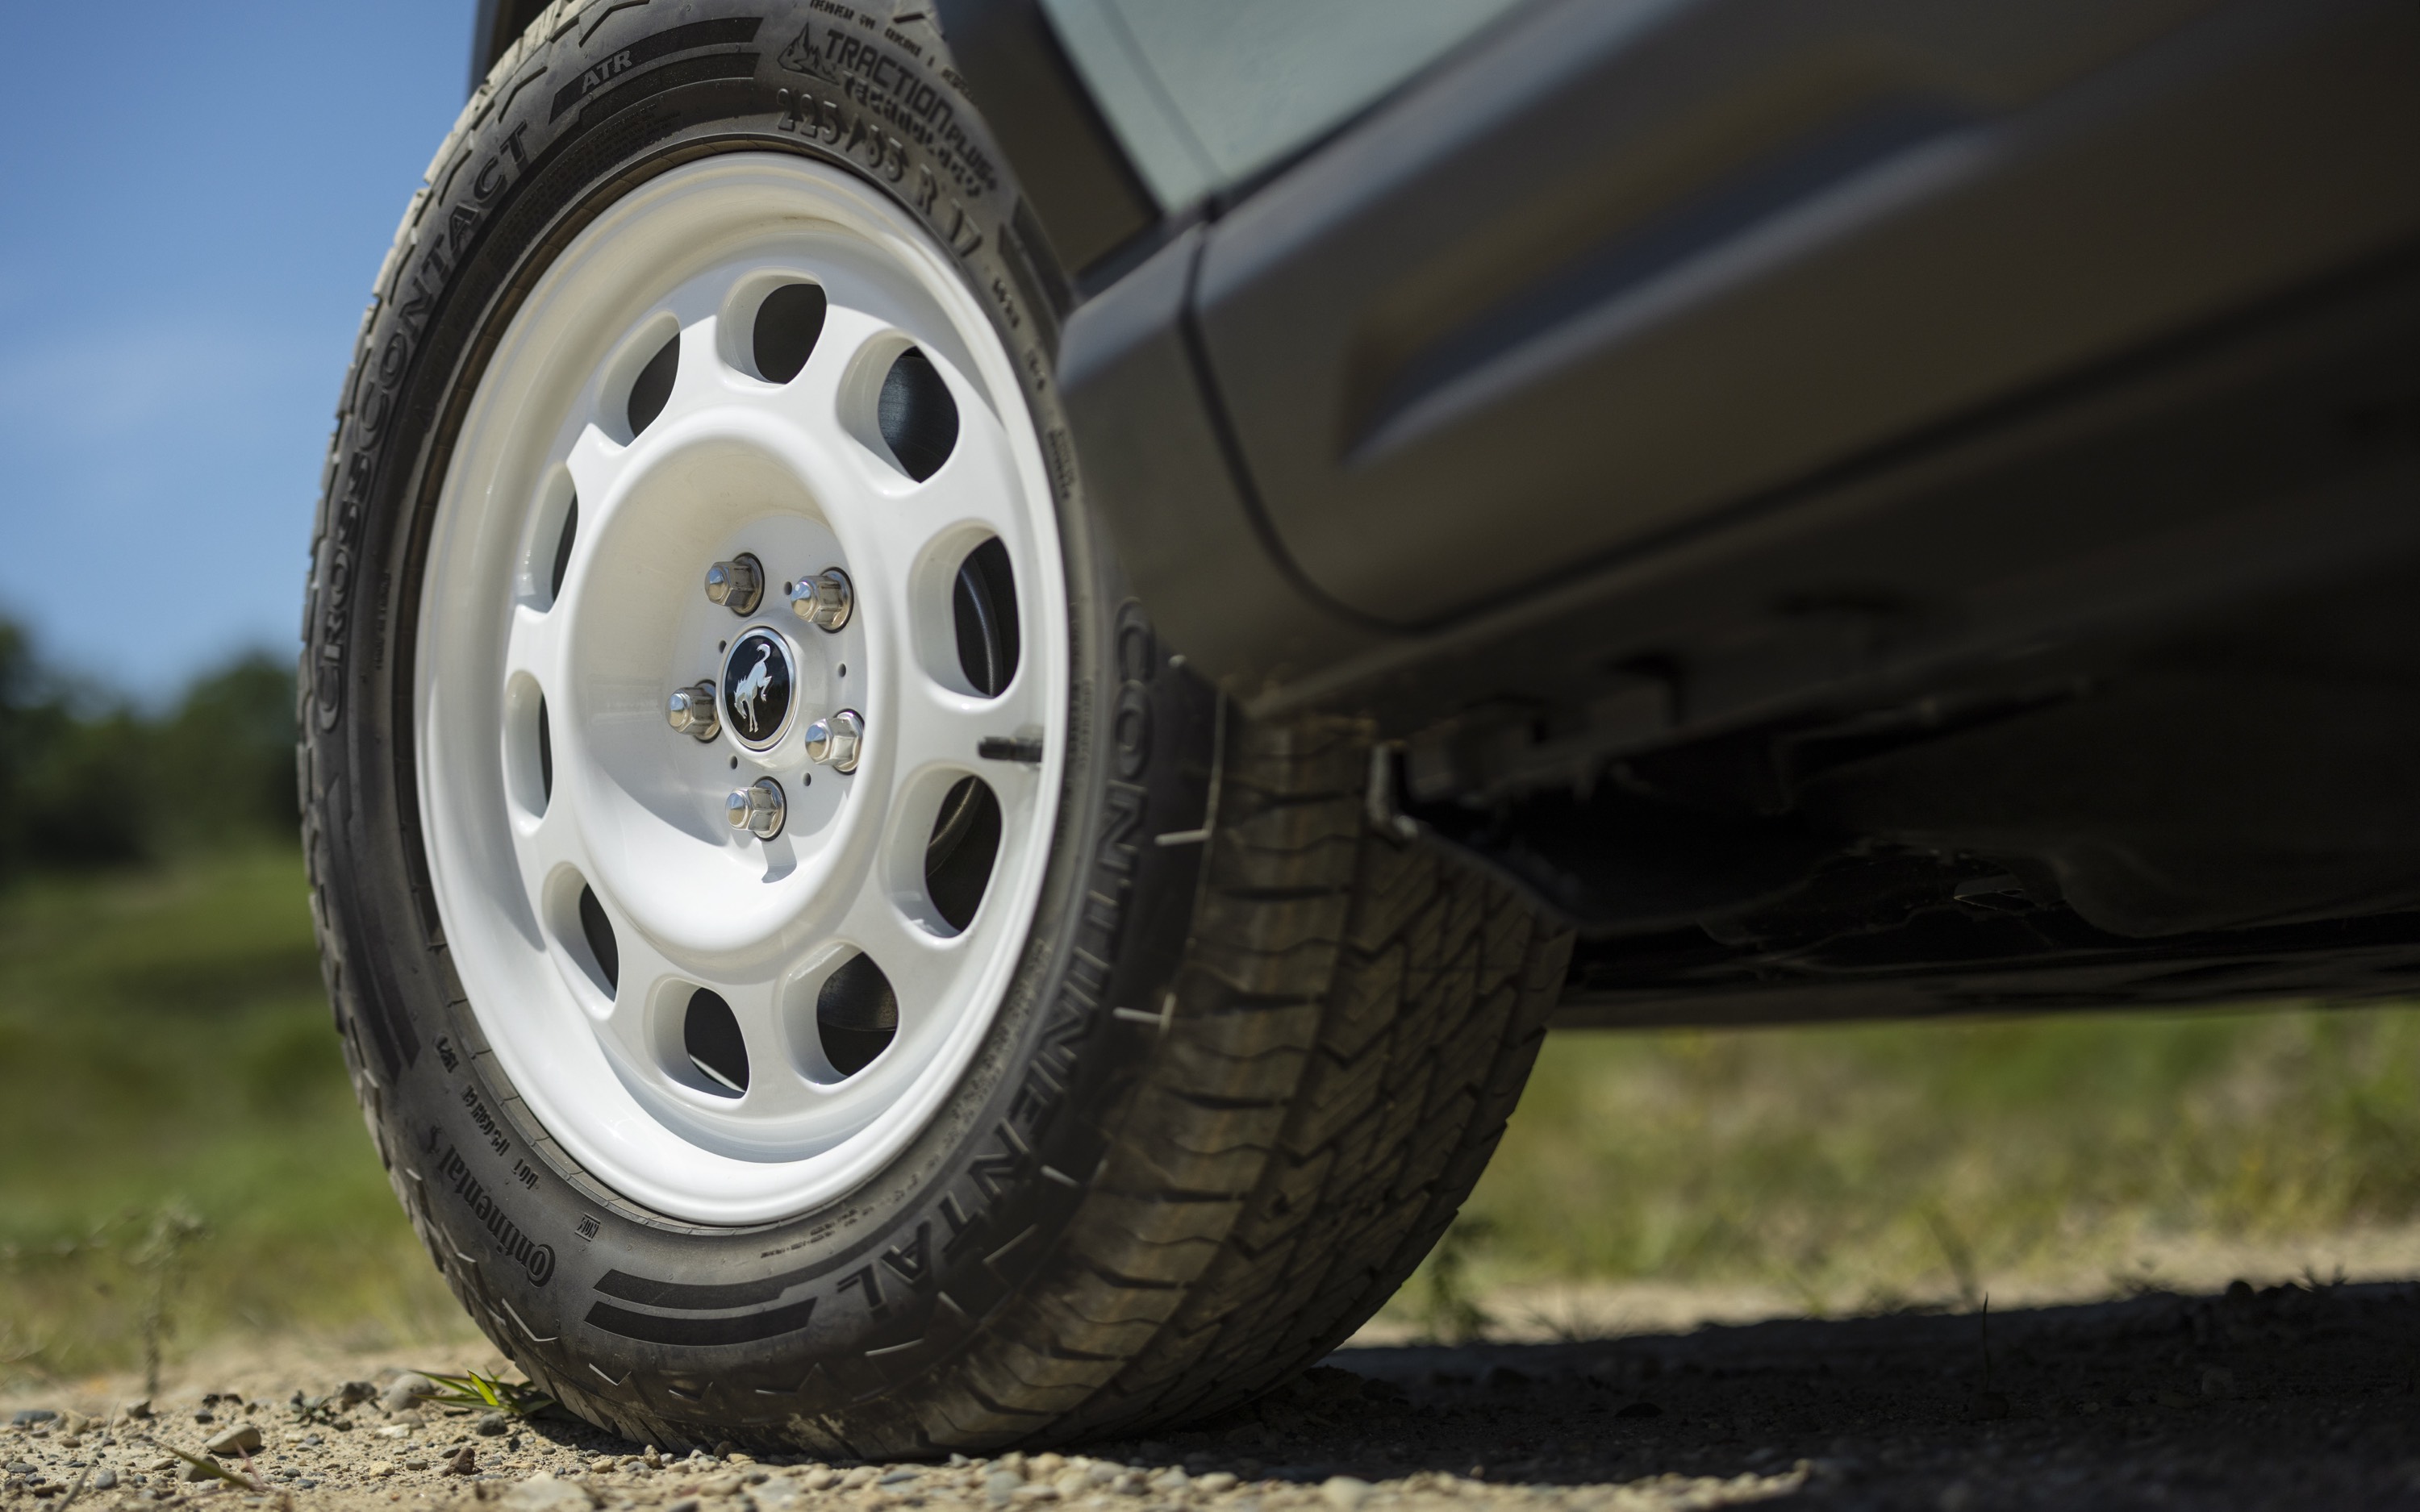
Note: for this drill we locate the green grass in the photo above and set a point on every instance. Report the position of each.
(176, 1135)
(167, 1061)
(1872, 1164)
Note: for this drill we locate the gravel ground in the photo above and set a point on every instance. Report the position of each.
(2287, 1397)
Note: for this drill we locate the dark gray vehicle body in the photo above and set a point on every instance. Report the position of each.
(1867, 506)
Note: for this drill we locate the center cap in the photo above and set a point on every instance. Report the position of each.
(758, 681)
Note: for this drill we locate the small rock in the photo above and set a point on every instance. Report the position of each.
(381, 1469)
(195, 1474)
(415, 1463)
(542, 1493)
(900, 1477)
(2217, 1380)
(243, 1438)
(776, 1495)
(686, 1504)
(106, 1481)
(27, 1417)
(140, 1409)
(821, 1478)
(1215, 1483)
(1344, 1493)
(465, 1461)
(1172, 1481)
(406, 1389)
(1001, 1485)
(862, 1475)
(493, 1425)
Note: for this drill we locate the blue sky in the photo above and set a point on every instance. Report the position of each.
(194, 199)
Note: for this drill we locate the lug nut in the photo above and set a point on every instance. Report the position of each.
(835, 741)
(823, 600)
(690, 711)
(758, 808)
(738, 585)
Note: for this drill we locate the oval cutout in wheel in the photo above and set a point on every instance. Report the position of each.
(598, 930)
(983, 604)
(857, 1015)
(653, 388)
(787, 325)
(959, 855)
(711, 1034)
(918, 419)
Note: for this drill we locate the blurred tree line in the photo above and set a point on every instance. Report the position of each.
(87, 780)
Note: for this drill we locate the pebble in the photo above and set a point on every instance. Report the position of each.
(1344, 1493)
(542, 1493)
(106, 1481)
(823, 1477)
(27, 1417)
(465, 1461)
(243, 1438)
(1215, 1483)
(406, 1389)
(1001, 1485)
(492, 1424)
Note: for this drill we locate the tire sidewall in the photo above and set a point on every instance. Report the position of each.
(812, 1332)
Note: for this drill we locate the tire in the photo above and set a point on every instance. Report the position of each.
(1251, 1053)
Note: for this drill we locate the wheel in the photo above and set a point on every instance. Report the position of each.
(819, 971)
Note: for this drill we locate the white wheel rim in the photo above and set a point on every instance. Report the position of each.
(797, 474)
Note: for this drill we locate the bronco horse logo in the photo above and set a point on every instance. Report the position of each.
(750, 692)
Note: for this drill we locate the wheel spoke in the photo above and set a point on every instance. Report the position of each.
(534, 646)
(643, 970)
(921, 966)
(934, 723)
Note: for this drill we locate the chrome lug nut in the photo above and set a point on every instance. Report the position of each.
(690, 711)
(835, 741)
(823, 600)
(758, 808)
(738, 585)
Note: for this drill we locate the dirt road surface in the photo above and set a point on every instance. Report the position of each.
(2290, 1396)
